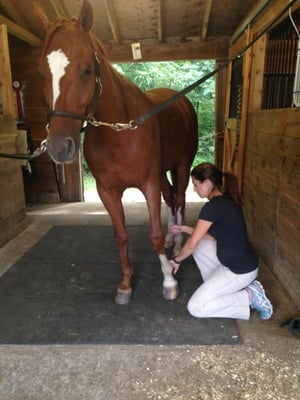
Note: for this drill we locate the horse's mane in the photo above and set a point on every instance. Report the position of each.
(96, 44)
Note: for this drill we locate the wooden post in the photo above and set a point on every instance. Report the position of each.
(244, 113)
(227, 132)
(6, 91)
(221, 85)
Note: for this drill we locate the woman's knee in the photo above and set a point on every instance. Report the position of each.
(194, 308)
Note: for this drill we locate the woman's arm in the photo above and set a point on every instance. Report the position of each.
(196, 235)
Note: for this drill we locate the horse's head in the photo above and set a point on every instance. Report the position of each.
(70, 68)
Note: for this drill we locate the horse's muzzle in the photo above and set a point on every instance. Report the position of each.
(62, 151)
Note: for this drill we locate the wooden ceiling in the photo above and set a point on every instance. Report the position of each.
(165, 29)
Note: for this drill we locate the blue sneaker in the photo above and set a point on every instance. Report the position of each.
(259, 300)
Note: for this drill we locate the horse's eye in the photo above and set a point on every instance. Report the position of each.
(87, 72)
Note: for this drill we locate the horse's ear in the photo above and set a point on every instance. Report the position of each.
(40, 17)
(86, 17)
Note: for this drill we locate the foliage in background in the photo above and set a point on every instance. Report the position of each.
(178, 75)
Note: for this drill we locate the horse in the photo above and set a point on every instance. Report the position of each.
(80, 84)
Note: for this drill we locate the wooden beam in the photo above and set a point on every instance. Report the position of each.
(111, 14)
(160, 30)
(20, 33)
(205, 20)
(13, 12)
(59, 8)
(209, 50)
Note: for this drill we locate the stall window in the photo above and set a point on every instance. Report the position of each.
(280, 66)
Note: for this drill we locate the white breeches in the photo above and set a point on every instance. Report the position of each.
(222, 294)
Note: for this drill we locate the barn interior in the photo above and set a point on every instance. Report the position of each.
(257, 138)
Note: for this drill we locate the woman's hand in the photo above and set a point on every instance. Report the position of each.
(175, 266)
(174, 229)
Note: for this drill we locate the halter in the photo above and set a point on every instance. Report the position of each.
(97, 94)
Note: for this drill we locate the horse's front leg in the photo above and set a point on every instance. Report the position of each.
(170, 285)
(113, 204)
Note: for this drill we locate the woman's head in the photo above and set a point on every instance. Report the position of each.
(208, 171)
(209, 180)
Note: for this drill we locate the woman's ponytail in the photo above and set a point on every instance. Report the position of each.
(231, 187)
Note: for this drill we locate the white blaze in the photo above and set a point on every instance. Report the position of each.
(57, 61)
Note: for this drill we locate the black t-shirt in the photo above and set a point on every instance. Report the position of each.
(229, 230)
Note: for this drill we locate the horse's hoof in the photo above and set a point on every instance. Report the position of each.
(171, 293)
(123, 296)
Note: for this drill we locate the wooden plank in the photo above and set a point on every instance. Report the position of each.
(290, 169)
(205, 19)
(12, 201)
(292, 128)
(20, 33)
(262, 175)
(287, 240)
(257, 74)
(271, 14)
(289, 210)
(269, 121)
(160, 27)
(244, 112)
(221, 85)
(288, 275)
(260, 144)
(7, 124)
(248, 20)
(6, 91)
(114, 26)
(59, 8)
(227, 149)
(208, 50)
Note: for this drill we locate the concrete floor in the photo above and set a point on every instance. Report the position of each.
(265, 366)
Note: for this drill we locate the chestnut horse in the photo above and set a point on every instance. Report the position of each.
(80, 82)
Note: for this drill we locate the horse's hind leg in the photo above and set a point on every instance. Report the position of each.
(175, 209)
(169, 198)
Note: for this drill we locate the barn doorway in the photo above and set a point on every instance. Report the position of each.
(176, 75)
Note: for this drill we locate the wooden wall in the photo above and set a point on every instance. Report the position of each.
(269, 166)
(13, 218)
(12, 203)
(271, 188)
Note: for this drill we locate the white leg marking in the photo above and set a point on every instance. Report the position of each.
(166, 269)
(178, 236)
(57, 61)
(169, 240)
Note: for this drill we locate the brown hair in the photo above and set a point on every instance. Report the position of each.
(226, 182)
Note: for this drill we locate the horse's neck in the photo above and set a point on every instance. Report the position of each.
(119, 95)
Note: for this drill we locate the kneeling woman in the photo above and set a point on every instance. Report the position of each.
(220, 247)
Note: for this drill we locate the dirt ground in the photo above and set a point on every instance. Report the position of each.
(265, 366)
